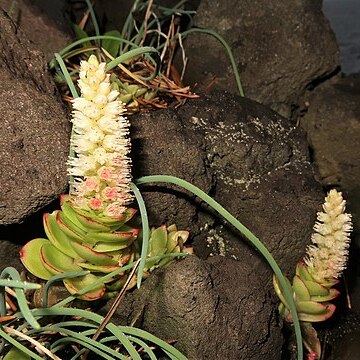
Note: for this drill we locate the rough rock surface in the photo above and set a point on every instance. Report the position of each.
(35, 131)
(280, 48)
(248, 158)
(332, 123)
(214, 309)
(49, 35)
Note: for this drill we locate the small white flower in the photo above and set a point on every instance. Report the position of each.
(327, 257)
(82, 145)
(108, 124)
(81, 122)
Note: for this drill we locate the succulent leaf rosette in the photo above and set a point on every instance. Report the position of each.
(320, 270)
(93, 230)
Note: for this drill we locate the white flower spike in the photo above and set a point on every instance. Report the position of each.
(101, 165)
(327, 256)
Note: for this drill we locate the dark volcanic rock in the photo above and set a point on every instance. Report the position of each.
(46, 34)
(214, 309)
(35, 131)
(280, 48)
(248, 158)
(332, 123)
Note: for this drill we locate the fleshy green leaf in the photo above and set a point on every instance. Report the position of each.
(301, 291)
(107, 247)
(333, 293)
(69, 212)
(90, 223)
(316, 289)
(158, 241)
(99, 268)
(329, 311)
(69, 228)
(111, 237)
(76, 284)
(311, 307)
(302, 271)
(56, 236)
(30, 257)
(92, 256)
(56, 261)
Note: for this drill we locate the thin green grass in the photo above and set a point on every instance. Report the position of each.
(21, 299)
(145, 231)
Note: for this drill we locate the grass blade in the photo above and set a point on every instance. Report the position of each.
(21, 299)
(145, 230)
(19, 346)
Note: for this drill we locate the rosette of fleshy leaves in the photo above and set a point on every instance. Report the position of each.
(79, 240)
(132, 94)
(320, 270)
(82, 240)
(93, 230)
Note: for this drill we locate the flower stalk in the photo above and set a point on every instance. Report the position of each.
(327, 256)
(101, 166)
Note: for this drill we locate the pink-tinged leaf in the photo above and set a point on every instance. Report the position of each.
(91, 224)
(56, 261)
(112, 237)
(92, 256)
(31, 259)
(56, 236)
(301, 291)
(302, 271)
(118, 221)
(69, 228)
(69, 212)
(330, 309)
(105, 247)
(176, 239)
(109, 222)
(316, 289)
(64, 198)
(330, 283)
(76, 284)
(311, 307)
(99, 268)
(333, 293)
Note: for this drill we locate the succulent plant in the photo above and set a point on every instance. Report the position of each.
(81, 240)
(323, 264)
(165, 240)
(130, 94)
(311, 297)
(319, 271)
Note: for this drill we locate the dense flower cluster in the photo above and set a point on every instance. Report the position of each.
(101, 165)
(326, 258)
